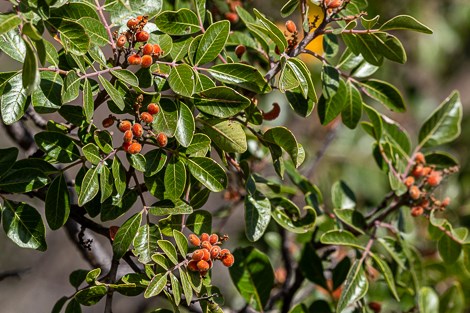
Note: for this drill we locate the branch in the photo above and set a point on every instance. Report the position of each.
(111, 279)
(99, 8)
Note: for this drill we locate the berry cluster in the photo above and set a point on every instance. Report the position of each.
(136, 34)
(292, 37)
(134, 131)
(421, 183)
(209, 251)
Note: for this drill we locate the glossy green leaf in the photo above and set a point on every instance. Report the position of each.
(125, 235)
(384, 93)
(8, 21)
(12, 99)
(126, 76)
(208, 172)
(449, 250)
(119, 175)
(175, 179)
(73, 36)
(137, 161)
(13, 45)
(93, 275)
(200, 222)
(169, 250)
(428, 300)
(444, 123)
(241, 75)
(390, 47)
(73, 307)
(355, 287)
(287, 79)
(71, 87)
(57, 204)
(95, 31)
(227, 135)
(352, 111)
(145, 242)
(340, 238)
(113, 93)
(285, 139)
(7, 159)
(23, 180)
(30, 73)
(405, 22)
(155, 161)
(166, 121)
(342, 196)
(181, 80)
(185, 127)
(181, 22)
(187, 289)
(311, 266)
(329, 109)
(397, 135)
(288, 215)
(330, 81)
(271, 30)
(289, 8)
(441, 159)
(253, 275)
(181, 242)
(221, 101)
(200, 145)
(88, 103)
(91, 295)
(174, 207)
(92, 153)
(453, 300)
(383, 267)
(175, 288)
(46, 98)
(90, 186)
(257, 215)
(23, 225)
(106, 183)
(58, 146)
(212, 42)
(59, 305)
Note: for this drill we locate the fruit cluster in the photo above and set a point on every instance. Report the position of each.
(209, 251)
(421, 183)
(147, 52)
(134, 130)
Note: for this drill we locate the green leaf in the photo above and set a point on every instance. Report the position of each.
(221, 101)
(227, 135)
(449, 250)
(104, 140)
(186, 126)
(352, 218)
(145, 242)
(288, 215)
(119, 175)
(405, 22)
(187, 290)
(127, 77)
(199, 222)
(59, 304)
(58, 146)
(200, 145)
(330, 81)
(12, 99)
(46, 98)
(212, 42)
(340, 238)
(166, 207)
(92, 275)
(390, 47)
(7, 159)
(285, 139)
(155, 161)
(175, 288)
(355, 287)
(384, 93)
(95, 30)
(137, 161)
(90, 186)
(453, 300)
(428, 300)
(441, 159)
(397, 135)
(444, 123)
(387, 273)
(169, 250)
(175, 179)
(88, 103)
(271, 30)
(208, 172)
(30, 73)
(73, 307)
(8, 21)
(289, 8)
(157, 284)
(166, 121)
(287, 79)
(181, 242)
(253, 275)
(125, 235)
(352, 111)
(311, 266)
(113, 93)
(13, 45)
(23, 225)
(92, 153)
(57, 204)
(257, 215)
(23, 180)
(181, 80)
(73, 36)
(106, 183)
(329, 109)
(181, 22)
(241, 75)
(342, 196)
(376, 121)
(90, 296)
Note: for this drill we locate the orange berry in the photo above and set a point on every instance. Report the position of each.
(273, 114)
(203, 266)
(134, 59)
(215, 251)
(291, 27)
(137, 130)
(198, 255)
(213, 239)
(232, 17)
(206, 245)
(419, 158)
(445, 202)
(146, 61)
(417, 211)
(207, 255)
(204, 237)
(240, 51)
(224, 252)
(409, 181)
(108, 122)
(434, 178)
(140, 18)
(142, 36)
(162, 140)
(121, 41)
(192, 266)
(333, 4)
(417, 171)
(414, 192)
(194, 240)
(157, 50)
(147, 49)
(128, 136)
(134, 148)
(228, 260)
(126, 145)
(424, 204)
(427, 170)
(132, 22)
(112, 232)
(146, 117)
(153, 108)
(124, 125)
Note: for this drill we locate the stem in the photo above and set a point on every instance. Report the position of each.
(111, 278)
(99, 8)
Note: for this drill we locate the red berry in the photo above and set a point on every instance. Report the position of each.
(417, 211)
(124, 125)
(215, 251)
(147, 49)
(240, 51)
(137, 130)
(153, 108)
(134, 59)
(198, 255)
(128, 136)
(126, 145)
(206, 245)
(273, 114)
(419, 158)
(204, 237)
(232, 17)
(133, 22)
(417, 171)
(162, 140)
(142, 36)
(157, 50)
(228, 260)
(146, 61)
(213, 239)
(203, 266)
(112, 232)
(434, 178)
(108, 122)
(134, 148)
(194, 240)
(414, 192)
(192, 266)
(291, 27)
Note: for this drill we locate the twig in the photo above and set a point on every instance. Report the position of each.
(111, 279)
(99, 8)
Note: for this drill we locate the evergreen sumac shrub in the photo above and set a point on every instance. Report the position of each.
(179, 82)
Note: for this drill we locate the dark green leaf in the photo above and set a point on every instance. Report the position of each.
(57, 204)
(221, 101)
(212, 42)
(449, 250)
(88, 103)
(155, 161)
(312, 267)
(166, 207)
(13, 45)
(73, 36)
(208, 172)
(271, 30)
(181, 80)
(384, 93)
(90, 296)
(355, 286)
(352, 111)
(119, 175)
(288, 215)
(453, 300)
(145, 242)
(104, 140)
(257, 215)
(285, 139)
(137, 161)
(7, 159)
(166, 121)
(405, 22)
(125, 235)
(73, 307)
(58, 147)
(289, 8)
(352, 218)
(30, 73)
(199, 222)
(95, 30)
(113, 93)
(92, 153)
(12, 99)
(241, 75)
(46, 98)
(90, 186)
(387, 273)
(181, 22)
(175, 179)
(169, 250)
(186, 126)
(23, 180)
(106, 183)
(227, 135)
(329, 109)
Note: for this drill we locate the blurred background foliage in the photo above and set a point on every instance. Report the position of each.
(437, 64)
